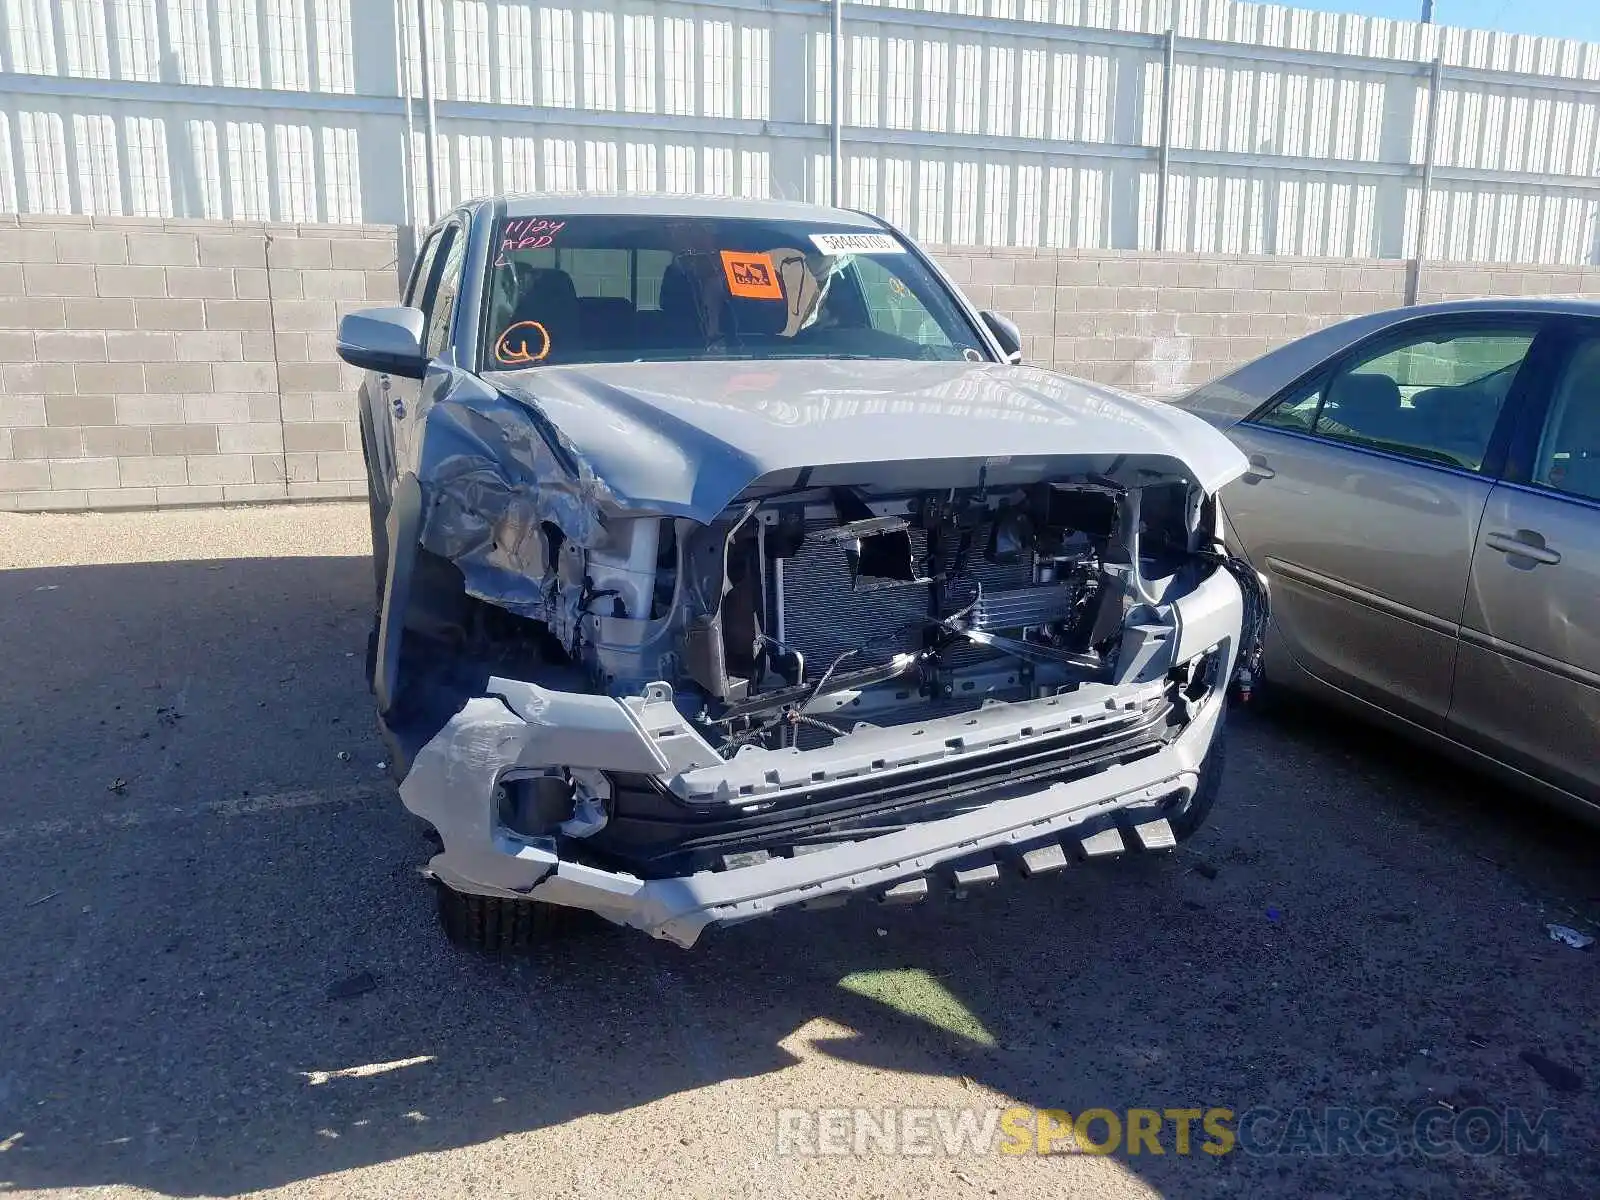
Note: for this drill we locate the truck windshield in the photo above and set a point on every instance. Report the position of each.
(578, 289)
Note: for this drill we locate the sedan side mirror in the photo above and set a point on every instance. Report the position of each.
(1006, 333)
(384, 339)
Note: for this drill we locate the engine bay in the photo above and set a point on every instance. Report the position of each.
(789, 656)
(815, 606)
(802, 613)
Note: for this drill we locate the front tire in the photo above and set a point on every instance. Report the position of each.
(491, 925)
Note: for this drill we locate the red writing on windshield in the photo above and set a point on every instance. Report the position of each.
(527, 233)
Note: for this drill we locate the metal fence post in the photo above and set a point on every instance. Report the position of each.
(408, 167)
(431, 137)
(836, 48)
(1419, 252)
(1168, 55)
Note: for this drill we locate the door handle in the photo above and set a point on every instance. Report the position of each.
(1258, 469)
(399, 406)
(1524, 543)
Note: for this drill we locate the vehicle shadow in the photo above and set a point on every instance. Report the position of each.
(223, 974)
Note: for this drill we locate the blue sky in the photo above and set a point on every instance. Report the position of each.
(1558, 18)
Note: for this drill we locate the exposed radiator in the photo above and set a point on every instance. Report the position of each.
(823, 617)
(996, 609)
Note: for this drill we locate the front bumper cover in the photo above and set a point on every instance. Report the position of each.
(453, 781)
(680, 909)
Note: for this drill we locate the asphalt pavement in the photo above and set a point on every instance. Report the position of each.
(221, 972)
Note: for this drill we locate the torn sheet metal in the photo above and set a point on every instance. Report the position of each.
(501, 500)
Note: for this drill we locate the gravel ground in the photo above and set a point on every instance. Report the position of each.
(222, 975)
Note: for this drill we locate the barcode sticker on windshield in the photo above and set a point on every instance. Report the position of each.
(857, 243)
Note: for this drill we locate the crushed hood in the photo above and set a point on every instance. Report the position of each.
(685, 438)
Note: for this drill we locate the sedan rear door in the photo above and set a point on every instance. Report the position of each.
(1366, 484)
(1527, 685)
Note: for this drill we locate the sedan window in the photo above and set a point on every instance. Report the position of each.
(1435, 396)
(1569, 453)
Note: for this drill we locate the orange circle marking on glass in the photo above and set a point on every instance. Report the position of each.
(510, 349)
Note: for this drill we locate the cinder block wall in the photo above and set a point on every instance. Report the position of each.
(148, 362)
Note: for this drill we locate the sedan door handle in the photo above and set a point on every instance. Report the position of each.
(1524, 543)
(1258, 469)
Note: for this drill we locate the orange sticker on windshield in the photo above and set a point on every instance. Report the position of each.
(751, 276)
(524, 342)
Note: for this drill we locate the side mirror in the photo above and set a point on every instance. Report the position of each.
(1006, 333)
(384, 339)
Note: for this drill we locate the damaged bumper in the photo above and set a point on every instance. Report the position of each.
(1035, 821)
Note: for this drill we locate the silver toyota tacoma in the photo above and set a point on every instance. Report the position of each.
(728, 560)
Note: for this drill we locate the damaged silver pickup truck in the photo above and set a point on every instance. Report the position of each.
(727, 560)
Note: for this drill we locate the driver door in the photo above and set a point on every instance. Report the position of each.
(385, 398)
(410, 398)
(388, 403)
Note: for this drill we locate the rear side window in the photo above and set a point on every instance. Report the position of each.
(1436, 396)
(1569, 451)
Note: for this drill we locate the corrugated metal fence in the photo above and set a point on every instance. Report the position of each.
(986, 122)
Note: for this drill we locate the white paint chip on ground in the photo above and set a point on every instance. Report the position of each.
(1569, 936)
(315, 1078)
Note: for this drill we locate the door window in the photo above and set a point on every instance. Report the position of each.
(444, 297)
(1435, 396)
(1569, 451)
(416, 289)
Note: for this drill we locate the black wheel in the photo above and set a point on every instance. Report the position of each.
(1186, 821)
(495, 926)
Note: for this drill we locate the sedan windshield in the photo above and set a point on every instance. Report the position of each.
(579, 289)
